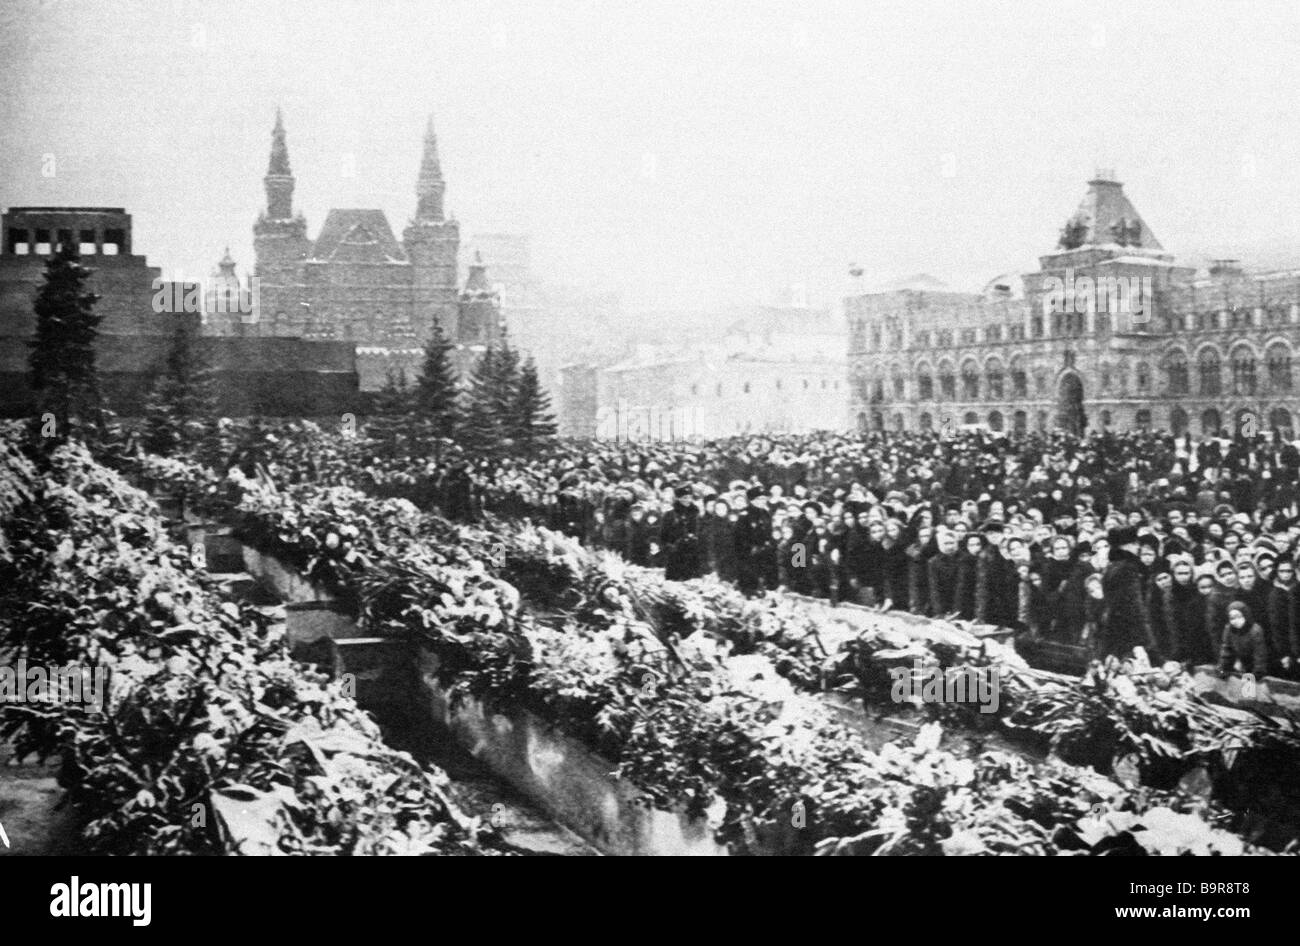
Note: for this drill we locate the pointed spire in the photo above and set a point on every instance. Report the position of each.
(279, 179)
(279, 151)
(227, 262)
(429, 187)
(430, 166)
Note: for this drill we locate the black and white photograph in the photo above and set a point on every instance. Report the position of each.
(562, 428)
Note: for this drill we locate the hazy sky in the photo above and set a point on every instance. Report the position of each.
(683, 153)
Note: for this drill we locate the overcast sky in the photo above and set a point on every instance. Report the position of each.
(683, 153)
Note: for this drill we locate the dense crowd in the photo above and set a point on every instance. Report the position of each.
(1115, 541)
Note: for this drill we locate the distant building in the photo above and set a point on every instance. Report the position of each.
(775, 370)
(356, 283)
(1110, 333)
(556, 324)
(291, 377)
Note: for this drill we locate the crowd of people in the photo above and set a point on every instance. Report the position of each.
(1112, 541)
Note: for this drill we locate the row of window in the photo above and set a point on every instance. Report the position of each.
(1242, 378)
(1071, 325)
(1179, 422)
(747, 386)
(40, 242)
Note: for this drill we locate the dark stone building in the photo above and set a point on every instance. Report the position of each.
(286, 377)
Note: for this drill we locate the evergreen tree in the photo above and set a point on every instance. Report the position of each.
(437, 391)
(392, 410)
(533, 421)
(62, 359)
(182, 405)
(480, 430)
(493, 385)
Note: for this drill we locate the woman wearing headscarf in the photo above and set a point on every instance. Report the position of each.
(1072, 597)
(1189, 640)
(1244, 648)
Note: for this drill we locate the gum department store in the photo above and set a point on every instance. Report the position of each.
(1206, 351)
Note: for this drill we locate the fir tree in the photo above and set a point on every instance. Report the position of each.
(489, 422)
(62, 359)
(437, 391)
(182, 405)
(532, 418)
(480, 429)
(392, 410)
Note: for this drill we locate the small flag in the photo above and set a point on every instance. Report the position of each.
(4, 837)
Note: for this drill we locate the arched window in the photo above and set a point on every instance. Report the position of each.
(971, 418)
(1210, 422)
(925, 385)
(1178, 421)
(1279, 368)
(947, 382)
(1105, 419)
(1019, 380)
(1144, 419)
(1042, 421)
(862, 423)
(1176, 369)
(1143, 377)
(877, 420)
(878, 390)
(898, 422)
(993, 374)
(970, 381)
(925, 421)
(1211, 379)
(900, 387)
(995, 420)
(1243, 371)
(1280, 420)
(1020, 422)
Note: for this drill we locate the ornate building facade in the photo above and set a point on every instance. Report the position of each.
(356, 283)
(1110, 333)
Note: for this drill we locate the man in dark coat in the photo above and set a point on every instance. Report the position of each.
(1124, 622)
(1283, 628)
(679, 538)
(718, 534)
(753, 540)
